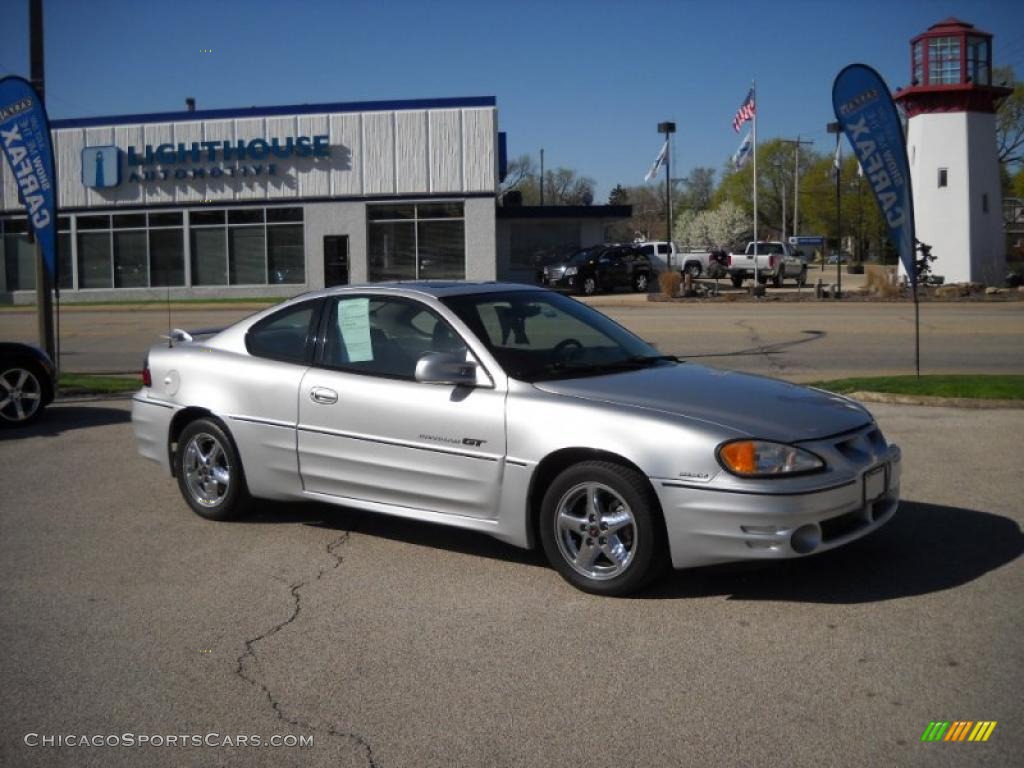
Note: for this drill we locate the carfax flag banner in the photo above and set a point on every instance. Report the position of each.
(868, 116)
(25, 136)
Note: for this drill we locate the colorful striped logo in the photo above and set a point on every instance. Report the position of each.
(958, 730)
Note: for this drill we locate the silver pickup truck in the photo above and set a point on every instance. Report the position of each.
(776, 261)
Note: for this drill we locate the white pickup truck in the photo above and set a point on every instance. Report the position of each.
(776, 261)
(695, 261)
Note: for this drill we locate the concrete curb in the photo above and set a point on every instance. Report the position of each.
(942, 402)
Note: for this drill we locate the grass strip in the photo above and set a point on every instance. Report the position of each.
(87, 383)
(971, 386)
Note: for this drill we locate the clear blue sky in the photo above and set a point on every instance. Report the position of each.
(587, 81)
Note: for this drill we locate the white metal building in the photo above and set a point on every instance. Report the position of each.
(266, 201)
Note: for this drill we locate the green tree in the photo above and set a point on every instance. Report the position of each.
(774, 180)
(863, 227)
(618, 196)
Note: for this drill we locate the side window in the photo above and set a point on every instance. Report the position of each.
(283, 335)
(385, 337)
(647, 250)
(663, 248)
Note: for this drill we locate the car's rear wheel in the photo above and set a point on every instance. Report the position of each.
(601, 528)
(778, 279)
(640, 282)
(209, 471)
(693, 269)
(737, 281)
(802, 279)
(21, 393)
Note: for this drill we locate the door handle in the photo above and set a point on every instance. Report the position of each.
(323, 395)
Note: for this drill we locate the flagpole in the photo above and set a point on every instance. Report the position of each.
(753, 88)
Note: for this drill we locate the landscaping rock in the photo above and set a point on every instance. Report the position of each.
(993, 291)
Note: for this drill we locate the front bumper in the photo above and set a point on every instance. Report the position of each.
(711, 525)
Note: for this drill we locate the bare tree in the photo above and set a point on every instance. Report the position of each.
(1010, 118)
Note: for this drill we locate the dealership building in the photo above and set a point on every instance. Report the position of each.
(277, 200)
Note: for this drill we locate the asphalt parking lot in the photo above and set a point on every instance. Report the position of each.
(400, 644)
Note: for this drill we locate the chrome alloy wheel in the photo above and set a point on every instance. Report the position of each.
(21, 394)
(596, 531)
(206, 468)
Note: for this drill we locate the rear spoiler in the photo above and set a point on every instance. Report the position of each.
(178, 335)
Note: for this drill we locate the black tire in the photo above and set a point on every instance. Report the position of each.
(588, 286)
(23, 393)
(737, 281)
(802, 279)
(215, 489)
(641, 281)
(600, 558)
(779, 278)
(693, 269)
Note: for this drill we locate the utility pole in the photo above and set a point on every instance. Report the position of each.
(542, 177)
(796, 180)
(44, 285)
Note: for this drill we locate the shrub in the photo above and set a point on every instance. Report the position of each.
(670, 282)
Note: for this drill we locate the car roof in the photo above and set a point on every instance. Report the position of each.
(435, 288)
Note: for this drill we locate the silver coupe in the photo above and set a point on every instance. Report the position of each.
(515, 411)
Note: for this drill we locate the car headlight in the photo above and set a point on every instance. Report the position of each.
(570, 271)
(762, 458)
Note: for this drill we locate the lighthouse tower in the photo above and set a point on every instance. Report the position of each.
(951, 143)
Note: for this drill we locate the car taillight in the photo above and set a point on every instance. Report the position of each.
(147, 377)
(728, 260)
(773, 261)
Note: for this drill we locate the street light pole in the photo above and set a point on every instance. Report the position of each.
(836, 128)
(668, 128)
(796, 180)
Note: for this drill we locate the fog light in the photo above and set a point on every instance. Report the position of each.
(805, 539)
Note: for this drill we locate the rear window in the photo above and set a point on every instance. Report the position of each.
(283, 335)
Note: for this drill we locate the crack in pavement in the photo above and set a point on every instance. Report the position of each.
(250, 654)
(762, 349)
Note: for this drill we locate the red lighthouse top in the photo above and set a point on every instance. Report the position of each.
(951, 71)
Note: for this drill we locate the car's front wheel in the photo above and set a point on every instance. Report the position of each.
(601, 528)
(589, 286)
(21, 394)
(209, 471)
(640, 282)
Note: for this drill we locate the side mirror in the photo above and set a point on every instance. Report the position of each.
(444, 368)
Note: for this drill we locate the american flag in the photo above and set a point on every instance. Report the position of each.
(746, 112)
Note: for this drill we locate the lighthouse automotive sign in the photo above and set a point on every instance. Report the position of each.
(218, 160)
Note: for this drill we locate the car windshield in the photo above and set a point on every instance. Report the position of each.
(540, 335)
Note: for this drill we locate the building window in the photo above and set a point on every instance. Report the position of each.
(247, 246)
(943, 177)
(130, 250)
(978, 59)
(943, 60)
(416, 241)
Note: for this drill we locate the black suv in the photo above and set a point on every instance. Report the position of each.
(601, 268)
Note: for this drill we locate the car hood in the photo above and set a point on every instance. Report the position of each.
(753, 405)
